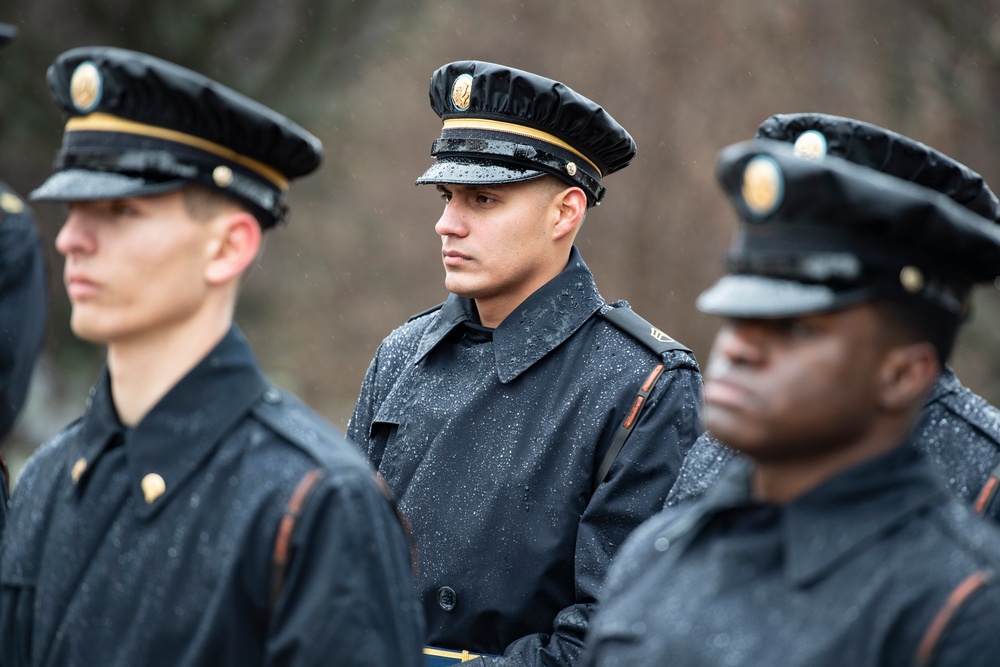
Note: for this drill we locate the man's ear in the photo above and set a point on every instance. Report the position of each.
(235, 242)
(570, 205)
(907, 374)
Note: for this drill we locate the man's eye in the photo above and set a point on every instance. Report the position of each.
(485, 199)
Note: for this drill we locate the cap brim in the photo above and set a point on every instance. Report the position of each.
(85, 185)
(749, 296)
(464, 171)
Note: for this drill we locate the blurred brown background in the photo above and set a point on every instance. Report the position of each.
(360, 255)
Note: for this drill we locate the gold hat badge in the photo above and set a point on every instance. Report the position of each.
(811, 145)
(763, 185)
(461, 92)
(85, 87)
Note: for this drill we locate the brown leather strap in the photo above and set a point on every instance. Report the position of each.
(279, 559)
(958, 596)
(625, 430)
(988, 491)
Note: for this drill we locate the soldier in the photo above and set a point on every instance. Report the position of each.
(958, 430)
(499, 417)
(195, 514)
(22, 306)
(833, 541)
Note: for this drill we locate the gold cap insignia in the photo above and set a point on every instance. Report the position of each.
(153, 487)
(762, 185)
(11, 203)
(461, 92)
(912, 279)
(571, 168)
(659, 335)
(85, 87)
(79, 468)
(811, 145)
(222, 176)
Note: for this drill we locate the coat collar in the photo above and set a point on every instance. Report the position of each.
(947, 383)
(536, 327)
(183, 428)
(842, 515)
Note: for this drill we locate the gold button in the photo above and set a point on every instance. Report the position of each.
(571, 168)
(79, 468)
(153, 487)
(223, 176)
(912, 279)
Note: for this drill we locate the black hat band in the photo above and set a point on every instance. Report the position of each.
(104, 152)
(100, 122)
(814, 255)
(489, 125)
(520, 155)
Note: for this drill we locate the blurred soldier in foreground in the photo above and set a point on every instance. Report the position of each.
(500, 417)
(22, 306)
(958, 430)
(834, 541)
(195, 514)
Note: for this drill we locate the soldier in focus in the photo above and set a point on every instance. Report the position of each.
(526, 425)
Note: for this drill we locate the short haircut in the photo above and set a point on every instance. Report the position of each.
(203, 204)
(915, 321)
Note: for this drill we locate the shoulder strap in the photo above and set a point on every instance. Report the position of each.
(988, 492)
(623, 432)
(633, 324)
(932, 637)
(279, 559)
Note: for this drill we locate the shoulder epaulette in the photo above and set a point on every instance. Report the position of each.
(633, 324)
(426, 312)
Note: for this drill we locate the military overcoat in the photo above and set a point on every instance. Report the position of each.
(155, 545)
(877, 567)
(491, 440)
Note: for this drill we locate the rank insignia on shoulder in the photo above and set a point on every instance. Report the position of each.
(659, 335)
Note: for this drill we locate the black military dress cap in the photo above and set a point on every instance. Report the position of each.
(504, 125)
(819, 233)
(138, 126)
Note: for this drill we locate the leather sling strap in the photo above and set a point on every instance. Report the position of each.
(623, 432)
(279, 559)
(988, 492)
(932, 637)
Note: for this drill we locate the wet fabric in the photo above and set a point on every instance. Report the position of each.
(851, 573)
(490, 441)
(22, 311)
(111, 570)
(958, 431)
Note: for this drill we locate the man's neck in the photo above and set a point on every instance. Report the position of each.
(143, 369)
(786, 480)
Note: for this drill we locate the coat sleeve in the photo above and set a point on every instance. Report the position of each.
(634, 490)
(22, 311)
(348, 598)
